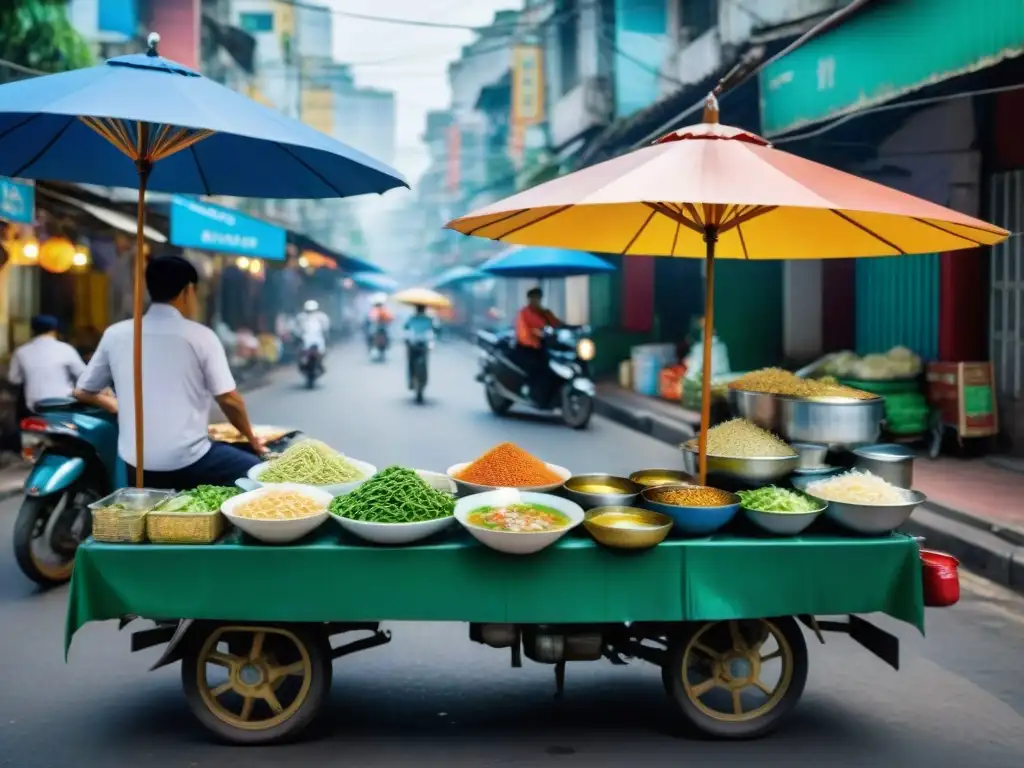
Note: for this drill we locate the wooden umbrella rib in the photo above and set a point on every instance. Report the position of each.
(104, 131)
(498, 220)
(948, 232)
(696, 216)
(743, 241)
(675, 238)
(160, 137)
(124, 133)
(753, 213)
(538, 220)
(639, 232)
(869, 231)
(178, 142)
(677, 216)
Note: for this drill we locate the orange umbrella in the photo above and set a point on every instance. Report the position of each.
(714, 191)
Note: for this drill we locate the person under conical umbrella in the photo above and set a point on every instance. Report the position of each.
(146, 122)
(714, 191)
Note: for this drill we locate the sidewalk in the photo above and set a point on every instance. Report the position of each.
(975, 508)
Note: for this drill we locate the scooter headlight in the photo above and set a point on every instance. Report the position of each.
(586, 349)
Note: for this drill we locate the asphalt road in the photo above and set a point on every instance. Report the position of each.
(433, 698)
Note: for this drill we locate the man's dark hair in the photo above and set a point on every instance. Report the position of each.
(535, 293)
(43, 324)
(168, 276)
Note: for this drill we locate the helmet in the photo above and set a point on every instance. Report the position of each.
(379, 299)
(310, 306)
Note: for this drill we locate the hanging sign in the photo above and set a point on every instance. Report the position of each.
(209, 227)
(17, 201)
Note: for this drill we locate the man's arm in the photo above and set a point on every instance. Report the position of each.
(95, 379)
(221, 384)
(14, 374)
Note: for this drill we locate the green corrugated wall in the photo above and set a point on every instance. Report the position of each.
(898, 304)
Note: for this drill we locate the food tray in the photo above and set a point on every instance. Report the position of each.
(128, 523)
(184, 527)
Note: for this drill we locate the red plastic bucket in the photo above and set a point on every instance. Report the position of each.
(940, 578)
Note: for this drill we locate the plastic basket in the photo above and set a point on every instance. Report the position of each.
(121, 516)
(184, 527)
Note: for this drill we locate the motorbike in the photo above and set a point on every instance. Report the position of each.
(562, 385)
(74, 449)
(377, 341)
(311, 365)
(418, 351)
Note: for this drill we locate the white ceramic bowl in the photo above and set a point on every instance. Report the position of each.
(278, 531)
(466, 489)
(339, 489)
(516, 543)
(403, 533)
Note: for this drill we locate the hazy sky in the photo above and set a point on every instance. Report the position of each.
(410, 60)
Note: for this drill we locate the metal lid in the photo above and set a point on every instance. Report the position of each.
(885, 452)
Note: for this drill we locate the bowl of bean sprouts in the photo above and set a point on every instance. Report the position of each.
(278, 514)
(315, 464)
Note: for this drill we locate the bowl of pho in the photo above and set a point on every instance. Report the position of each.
(517, 522)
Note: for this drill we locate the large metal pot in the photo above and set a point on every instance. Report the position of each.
(759, 408)
(839, 423)
(893, 463)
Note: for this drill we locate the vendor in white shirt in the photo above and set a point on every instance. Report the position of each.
(184, 370)
(46, 367)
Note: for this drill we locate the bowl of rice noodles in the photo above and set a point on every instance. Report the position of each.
(313, 463)
(743, 452)
(864, 503)
(280, 513)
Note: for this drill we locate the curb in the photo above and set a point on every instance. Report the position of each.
(990, 551)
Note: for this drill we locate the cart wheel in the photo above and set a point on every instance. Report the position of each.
(257, 684)
(737, 679)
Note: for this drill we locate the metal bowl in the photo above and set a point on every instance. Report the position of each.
(696, 521)
(760, 408)
(873, 518)
(837, 422)
(649, 528)
(463, 488)
(784, 523)
(652, 478)
(756, 471)
(812, 455)
(597, 490)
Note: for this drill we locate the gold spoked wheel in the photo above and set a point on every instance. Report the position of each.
(737, 679)
(256, 684)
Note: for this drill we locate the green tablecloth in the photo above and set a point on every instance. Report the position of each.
(335, 578)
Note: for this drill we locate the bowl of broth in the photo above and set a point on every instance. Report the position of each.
(517, 522)
(627, 527)
(598, 490)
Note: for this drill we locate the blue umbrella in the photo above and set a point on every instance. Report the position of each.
(458, 276)
(535, 261)
(374, 282)
(148, 122)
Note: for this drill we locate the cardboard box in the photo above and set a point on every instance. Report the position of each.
(964, 393)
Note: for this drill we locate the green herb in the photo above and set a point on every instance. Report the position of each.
(202, 500)
(394, 495)
(779, 500)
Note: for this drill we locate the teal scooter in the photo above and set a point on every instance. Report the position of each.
(74, 448)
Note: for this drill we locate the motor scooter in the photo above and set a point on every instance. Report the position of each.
(311, 364)
(74, 450)
(561, 385)
(377, 340)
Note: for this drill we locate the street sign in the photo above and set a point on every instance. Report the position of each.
(17, 201)
(209, 227)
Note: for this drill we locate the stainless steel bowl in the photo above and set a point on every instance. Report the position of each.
(892, 462)
(598, 490)
(837, 422)
(652, 478)
(812, 455)
(760, 408)
(627, 527)
(756, 471)
(873, 518)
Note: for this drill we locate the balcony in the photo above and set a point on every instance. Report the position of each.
(587, 106)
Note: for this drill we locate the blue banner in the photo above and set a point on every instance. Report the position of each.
(17, 201)
(209, 227)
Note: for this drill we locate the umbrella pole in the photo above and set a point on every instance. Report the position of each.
(710, 238)
(140, 277)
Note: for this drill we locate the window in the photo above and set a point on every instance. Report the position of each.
(568, 45)
(256, 22)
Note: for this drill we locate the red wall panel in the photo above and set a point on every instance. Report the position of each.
(177, 22)
(838, 304)
(963, 306)
(638, 293)
(1009, 116)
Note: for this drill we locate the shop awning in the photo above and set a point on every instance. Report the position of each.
(345, 262)
(111, 218)
(208, 227)
(372, 281)
(887, 51)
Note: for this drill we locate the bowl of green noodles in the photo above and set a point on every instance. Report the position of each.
(316, 464)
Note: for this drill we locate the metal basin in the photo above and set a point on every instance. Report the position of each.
(839, 423)
(598, 490)
(812, 455)
(652, 478)
(756, 471)
(893, 463)
(873, 519)
(759, 408)
(627, 527)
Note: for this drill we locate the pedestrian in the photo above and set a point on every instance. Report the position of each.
(185, 369)
(45, 366)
